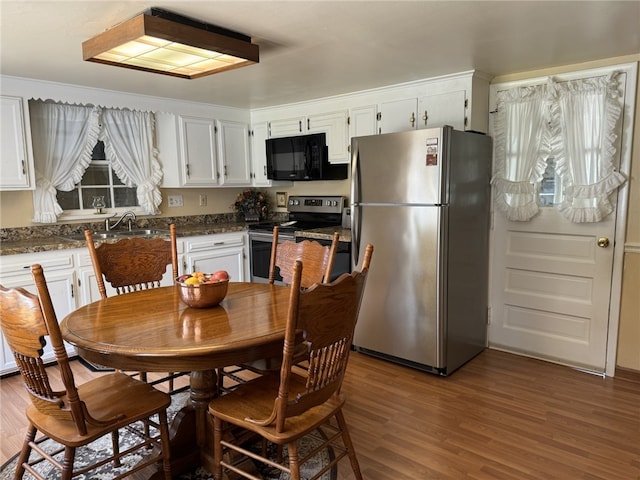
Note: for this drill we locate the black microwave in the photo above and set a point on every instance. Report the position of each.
(303, 157)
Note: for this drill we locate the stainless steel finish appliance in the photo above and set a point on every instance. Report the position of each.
(422, 199)
(304, 213)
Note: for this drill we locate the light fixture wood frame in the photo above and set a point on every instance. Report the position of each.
(173, 31)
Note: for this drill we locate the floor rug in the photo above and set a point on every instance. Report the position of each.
(96, 450)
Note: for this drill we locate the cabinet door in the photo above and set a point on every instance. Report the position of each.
(443, 109)
(229, 259)
(363, 121)
(335, 126)
(168, 144)
(287, 127)
(259, 155)
(198, 151)
(16, 168)
(210, 253)
(398, 115)
(234, 153)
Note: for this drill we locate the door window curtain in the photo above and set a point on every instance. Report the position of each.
(576, 124)
(128, 140)
(62, 147)
(522, 139)
(588, 112)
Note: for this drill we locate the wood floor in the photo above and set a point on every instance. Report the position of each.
(500, 417)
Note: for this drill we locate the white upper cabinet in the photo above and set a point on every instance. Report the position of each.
(287, 127)
(441, 109)
(234, 153)
(437, 110)
(16, 159)
(198, 151)
(363, 121)
(202, 152)
(259, 135)
(398, 115)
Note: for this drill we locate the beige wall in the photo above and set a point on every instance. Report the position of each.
(16, 208)
(629, 328)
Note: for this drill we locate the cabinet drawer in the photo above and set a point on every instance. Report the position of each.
(210, 242)
(14, 265)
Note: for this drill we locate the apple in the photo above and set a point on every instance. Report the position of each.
(182, 278)
(220, 276)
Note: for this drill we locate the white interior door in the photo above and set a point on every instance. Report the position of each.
(551, 288)
(555, 285)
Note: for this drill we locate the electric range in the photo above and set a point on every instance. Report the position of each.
(304, 213)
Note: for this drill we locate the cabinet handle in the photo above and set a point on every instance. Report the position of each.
(300, 125)
(265, 170)
(225, 170)
(24, 172)
(72, 289)
(425, 117)
(218, 243)
(413, 119)
(308, 124)
(187, 165)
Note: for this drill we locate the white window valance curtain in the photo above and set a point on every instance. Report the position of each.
(576, 124)
(587, 112)
(65, 136)
(521, 146)
(62, 147)
(128, 140)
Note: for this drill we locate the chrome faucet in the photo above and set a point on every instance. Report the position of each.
(128, 214)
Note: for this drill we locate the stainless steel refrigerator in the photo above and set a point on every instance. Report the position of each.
(422, 199)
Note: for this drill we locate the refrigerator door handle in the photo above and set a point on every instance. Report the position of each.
(356, 225)
(355, 199)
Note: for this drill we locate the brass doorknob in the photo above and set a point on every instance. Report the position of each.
(603, 242)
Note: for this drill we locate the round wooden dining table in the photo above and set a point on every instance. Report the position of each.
(154, 331)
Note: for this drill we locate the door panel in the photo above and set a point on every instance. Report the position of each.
(399, 315)
(551, 285)
(395, 169)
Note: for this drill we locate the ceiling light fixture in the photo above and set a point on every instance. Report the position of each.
(164, 42)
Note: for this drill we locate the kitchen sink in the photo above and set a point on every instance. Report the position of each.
(110, 234)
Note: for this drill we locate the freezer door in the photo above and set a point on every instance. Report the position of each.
(400, 168)
(401, 312)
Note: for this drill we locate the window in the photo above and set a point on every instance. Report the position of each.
(99, 180)
(550, 186)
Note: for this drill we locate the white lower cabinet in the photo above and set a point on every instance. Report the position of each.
(72, 283)
(59, 271)
(222, 251)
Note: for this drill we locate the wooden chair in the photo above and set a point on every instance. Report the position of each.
(77, 415)
(318, 259)
(132, 264)
(324, 316)
(318, 263)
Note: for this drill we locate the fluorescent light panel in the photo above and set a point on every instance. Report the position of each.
(163, 45)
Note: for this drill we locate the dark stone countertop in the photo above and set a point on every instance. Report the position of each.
(62, 237)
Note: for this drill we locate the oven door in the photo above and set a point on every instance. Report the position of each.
(260, 255)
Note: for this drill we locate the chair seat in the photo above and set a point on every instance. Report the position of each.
(103, 398)
(254, 399)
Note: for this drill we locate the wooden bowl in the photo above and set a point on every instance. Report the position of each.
(203, 295)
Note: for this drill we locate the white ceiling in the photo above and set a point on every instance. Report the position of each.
(312, 49)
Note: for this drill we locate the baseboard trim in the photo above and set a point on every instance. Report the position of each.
(628, 374)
